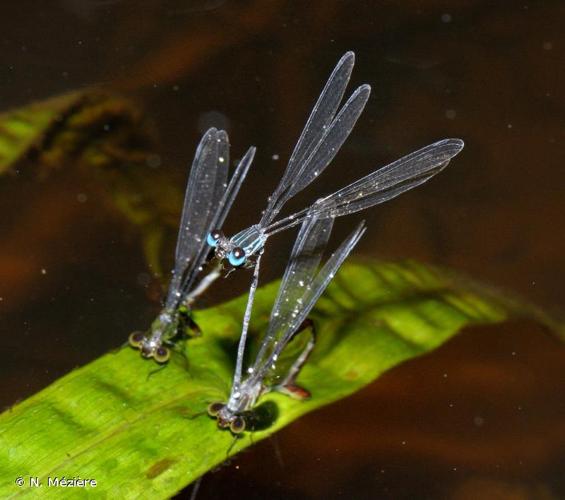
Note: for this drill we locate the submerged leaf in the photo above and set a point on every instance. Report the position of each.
(107, 139)
(24, 129)
(91, 128)
(142, 432)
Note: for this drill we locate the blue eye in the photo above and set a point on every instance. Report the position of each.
(213, 238)
(237, 257)
(211, 241)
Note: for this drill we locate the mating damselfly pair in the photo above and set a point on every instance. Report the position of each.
(203, 253)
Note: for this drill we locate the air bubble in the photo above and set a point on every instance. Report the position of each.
(446, 18)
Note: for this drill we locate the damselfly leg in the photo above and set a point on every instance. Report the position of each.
(288, 384)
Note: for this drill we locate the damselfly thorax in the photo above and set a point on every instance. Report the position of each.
(238, 249)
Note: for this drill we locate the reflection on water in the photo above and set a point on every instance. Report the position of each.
(482, 417)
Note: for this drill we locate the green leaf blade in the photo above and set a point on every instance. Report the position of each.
(141, 432)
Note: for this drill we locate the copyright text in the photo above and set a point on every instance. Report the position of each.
(57, 482)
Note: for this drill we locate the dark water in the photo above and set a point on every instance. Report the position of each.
(482, 417)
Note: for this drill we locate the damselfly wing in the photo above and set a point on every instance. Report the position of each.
(208, 199)
(301, 287)
(324, 133)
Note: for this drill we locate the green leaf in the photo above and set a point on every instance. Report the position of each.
(107, 139)
(89, 127)
(24, 129)
(141, 432)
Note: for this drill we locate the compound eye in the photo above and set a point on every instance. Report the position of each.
(213, 238)
(135, 339)
(238, 425)
(215, 408)
(162, 354)
(237, 257)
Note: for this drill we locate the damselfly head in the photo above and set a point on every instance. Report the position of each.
(240, 249)
(226, 419)
(161, 354)
(222, 246)
(148, 347)
(214, 237)
(136, 339)
(237, 257)
(215, 408)
(237, 425)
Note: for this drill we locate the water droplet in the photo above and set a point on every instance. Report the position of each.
(450, 114)
(153, 161)
(446, 18)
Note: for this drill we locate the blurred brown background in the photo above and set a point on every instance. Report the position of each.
(484, 416)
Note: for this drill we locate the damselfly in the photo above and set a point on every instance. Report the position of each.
(207, 201)
(324, 133)
(275, 369)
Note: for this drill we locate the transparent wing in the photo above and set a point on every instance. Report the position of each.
(321, 282)
(233, 188)
(219, 216)
(287, 361)
(303, 263)
(291, 314)
(330, 143)
(204, 190)
(381, 185)
(320, 119)
(392, 180)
